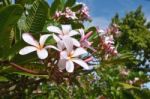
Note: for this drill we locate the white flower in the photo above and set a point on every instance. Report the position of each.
(36, 46)
(58, 14)
(70, 14)
(85, 11)
(66, 31)
(84, 39)
(70, 56)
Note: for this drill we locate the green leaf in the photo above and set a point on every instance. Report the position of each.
(127, 86)
(70, 3)
(6, 2)
(3, 79)
(37, 16)
(76, 7)
(30, 75)
(8, 18)
(10, 53)
(77, 25)
(54, 7)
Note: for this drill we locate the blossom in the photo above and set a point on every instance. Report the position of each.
(85, 11)
(58, 14)
(69, 56)
(65, 31)
(69, 13)
(107, 43)
(36, 46)
(84, 39)
(114, 29)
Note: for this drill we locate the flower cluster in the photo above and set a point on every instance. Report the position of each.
(114, 30)
(82, 13)
(68, 14)
(107, 42)
(69, 48)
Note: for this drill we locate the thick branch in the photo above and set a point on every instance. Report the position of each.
(26, 70)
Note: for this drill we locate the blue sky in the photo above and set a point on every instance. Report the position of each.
(102, 11)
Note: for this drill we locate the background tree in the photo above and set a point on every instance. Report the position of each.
(27, 77)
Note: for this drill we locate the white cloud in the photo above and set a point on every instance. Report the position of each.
(148, 18)
(101, 22)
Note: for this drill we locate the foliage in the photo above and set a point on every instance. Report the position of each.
(115, 76)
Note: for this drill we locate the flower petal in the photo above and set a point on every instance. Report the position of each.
(90, 68)
(60, 45)
(51, 46)
(54, 29)
(81, 63)
(66, 29)
(62, 64)
(63, 55)
(27, 49)
(68, 43)
(42, 54)
(43, 38)
(81, 31)
(29, 39)
(56, 38)
(75, 42)
(79, 51)
(69, 66)
(73, 32)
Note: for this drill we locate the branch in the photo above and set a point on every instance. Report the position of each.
(142, 69)
(26, 70)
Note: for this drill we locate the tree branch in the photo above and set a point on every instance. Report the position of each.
(26, 70)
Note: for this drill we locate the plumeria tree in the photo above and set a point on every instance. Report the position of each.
(47, 52)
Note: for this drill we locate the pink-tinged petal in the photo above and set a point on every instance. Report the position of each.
(75, 42)
(81, 31)
(92, 48)
(60, 45)
(101, 31)
(73, 32)
(56, 38)
(68, 43)
(51, 46)
(88, 34)
(54, 29)
(63, 55)
(79, 51)
(69, 66)
(42, 54)
(89, 59)
(62, 64)
(29, 39)
(66, 29)
(90, 68)
(43, 39)
(27, 50)
(81, 63)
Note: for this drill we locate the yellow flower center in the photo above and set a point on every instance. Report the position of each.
(40, 47)
(70, 55)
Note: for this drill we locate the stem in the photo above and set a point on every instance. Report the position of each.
(26, 70)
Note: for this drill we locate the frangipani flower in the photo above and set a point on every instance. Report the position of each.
(36, 46)
(108, 45)
(84, 39)
(66, 31)
(70, 14)
(69, 56)
(58, 14)
(85, 11)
